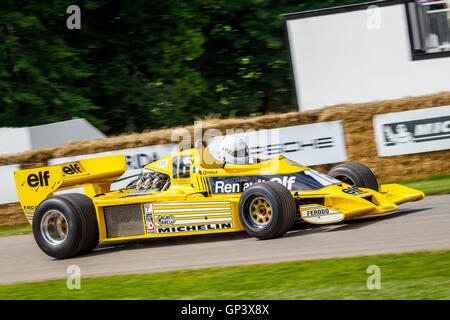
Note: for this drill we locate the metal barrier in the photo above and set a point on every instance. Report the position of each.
(435, 21)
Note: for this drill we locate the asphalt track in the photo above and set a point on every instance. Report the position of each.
(423, 225)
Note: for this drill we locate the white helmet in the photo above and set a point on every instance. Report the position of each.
(234, 150)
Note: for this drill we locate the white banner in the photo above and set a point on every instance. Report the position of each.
(415, 131)
(309, 144)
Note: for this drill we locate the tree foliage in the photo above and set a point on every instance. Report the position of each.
(137, 65)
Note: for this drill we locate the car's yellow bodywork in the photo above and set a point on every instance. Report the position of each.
(203, 197)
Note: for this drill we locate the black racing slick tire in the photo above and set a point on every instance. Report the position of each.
(267, 210)
(66, 225)
(355, 174)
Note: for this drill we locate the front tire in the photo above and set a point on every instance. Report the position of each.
(355, 174)
(267, 210)
(66, 225)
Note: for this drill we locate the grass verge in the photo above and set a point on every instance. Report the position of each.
(13, 230)
(418, 275)
(438, 184)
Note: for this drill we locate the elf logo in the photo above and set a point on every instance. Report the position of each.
(40, 179)
(72, 169)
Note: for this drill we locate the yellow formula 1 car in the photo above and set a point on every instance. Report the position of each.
(194, 192)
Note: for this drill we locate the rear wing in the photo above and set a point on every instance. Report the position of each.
(94, 175)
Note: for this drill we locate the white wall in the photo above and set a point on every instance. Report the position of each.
(58, 133)
(8, 192)
(14, 140)
(338, 59)
(18, 140)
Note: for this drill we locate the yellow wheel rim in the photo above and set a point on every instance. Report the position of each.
(260, 211)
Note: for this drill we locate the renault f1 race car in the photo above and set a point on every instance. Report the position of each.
(194, 192)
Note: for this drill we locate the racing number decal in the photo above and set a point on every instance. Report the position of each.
(181, 166)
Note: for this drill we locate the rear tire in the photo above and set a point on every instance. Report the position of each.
(355, 174)
(267, 210)
(66, 225)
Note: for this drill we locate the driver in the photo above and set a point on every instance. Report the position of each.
(234, 150)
